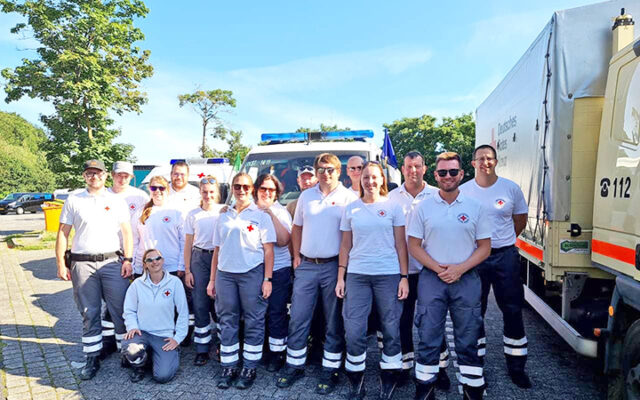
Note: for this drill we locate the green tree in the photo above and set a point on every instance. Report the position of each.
(425, 135)
(23, 164)
(209, 105)
(323, 128)
(87, 66)
(233, 139)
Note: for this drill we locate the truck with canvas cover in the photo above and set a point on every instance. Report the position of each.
(566, 125)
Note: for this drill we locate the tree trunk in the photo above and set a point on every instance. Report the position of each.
(204, 138)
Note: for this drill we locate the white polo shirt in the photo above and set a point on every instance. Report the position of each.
(240, 237)
(96, 219)
(320, 216)
(281, 255)
(501, 201)
(373, 250)
(449, 231)
(201, 224)
(401, 196)
(135, 199)
(163, 230)
(185, 200)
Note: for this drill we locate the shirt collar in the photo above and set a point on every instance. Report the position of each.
(439, 198)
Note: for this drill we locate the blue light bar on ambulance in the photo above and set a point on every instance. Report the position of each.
(222, 160)
(302, 136)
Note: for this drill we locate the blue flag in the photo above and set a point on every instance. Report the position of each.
(387, 150)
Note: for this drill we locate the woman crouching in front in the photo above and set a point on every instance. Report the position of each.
(149, 315)
(241, 274)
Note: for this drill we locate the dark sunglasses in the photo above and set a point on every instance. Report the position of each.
(237, 186)
(322, 170)
(358, 168)
(148, 260)
(160, 188)
(443, 172)
(266, 189)
(207, 180)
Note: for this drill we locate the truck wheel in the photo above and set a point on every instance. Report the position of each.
(631, 362)
(615, 387)
(19, 210)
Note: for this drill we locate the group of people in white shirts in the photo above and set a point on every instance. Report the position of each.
(409, 255)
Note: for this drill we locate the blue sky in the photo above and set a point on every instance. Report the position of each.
(289, 64)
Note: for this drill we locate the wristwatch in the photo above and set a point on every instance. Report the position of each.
(127, 259)
(267, 279)
(404, 276)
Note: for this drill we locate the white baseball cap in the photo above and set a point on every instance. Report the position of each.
(123, 166)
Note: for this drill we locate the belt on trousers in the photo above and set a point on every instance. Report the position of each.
(203, 250)
(319, 260)
(500, 249)
(93, 257)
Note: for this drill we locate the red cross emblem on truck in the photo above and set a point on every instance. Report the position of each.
(201, 175)
(250, 228)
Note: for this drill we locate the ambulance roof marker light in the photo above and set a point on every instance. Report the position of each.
(310, 136)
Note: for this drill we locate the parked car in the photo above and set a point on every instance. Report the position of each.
(21, 202)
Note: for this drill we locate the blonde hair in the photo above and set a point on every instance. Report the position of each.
(217, 196)
(146, 211)
(383, 188)
(449, 155)
(329, 159)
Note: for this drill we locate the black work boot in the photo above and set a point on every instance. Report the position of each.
(425, 391)
(388, 383)
(404, 377)
(246, 378)
(136, 374)
(442, 380)
(521, 379)
(276, 361)
(472, 393)
(288, 376)
(226, 379)
(327, 381)
(90, 368)
(109, 346)
(356, 380)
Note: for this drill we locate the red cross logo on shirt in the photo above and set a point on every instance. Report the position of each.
(382, 213)
(464, 218)
(166, 220)
(167, 293)
(107, 208)
(201, 175)
(132, 206)
(500, 203)
(333, 203)
(250, 228)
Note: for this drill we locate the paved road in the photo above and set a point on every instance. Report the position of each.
(40, 330)
(11, 223)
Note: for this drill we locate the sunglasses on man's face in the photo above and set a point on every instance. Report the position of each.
(443, 172)
(160, 188)
(322, 170)
(238, 187)
(148, 260)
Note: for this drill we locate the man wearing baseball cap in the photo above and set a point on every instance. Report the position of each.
(122, 173)
(92, 265)
(306, 179)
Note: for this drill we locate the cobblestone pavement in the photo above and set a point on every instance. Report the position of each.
(40, 330)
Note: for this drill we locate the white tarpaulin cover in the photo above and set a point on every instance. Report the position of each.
(513, 117)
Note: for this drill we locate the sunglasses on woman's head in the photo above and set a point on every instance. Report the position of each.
(207, 180)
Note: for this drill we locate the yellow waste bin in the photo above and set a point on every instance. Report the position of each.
(51, 216)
